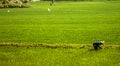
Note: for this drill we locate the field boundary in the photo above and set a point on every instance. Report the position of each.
(79, 46)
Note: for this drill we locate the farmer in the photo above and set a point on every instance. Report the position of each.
(97, 45)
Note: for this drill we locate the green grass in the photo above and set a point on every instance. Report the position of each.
(23, 56)
(67, 23)
(29, 36)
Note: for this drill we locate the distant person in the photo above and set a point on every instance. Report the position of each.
(97, 45)
(52, 3)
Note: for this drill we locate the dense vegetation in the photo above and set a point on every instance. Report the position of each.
(67, 23)
(14, 4)
(22, 56)
(60, 37)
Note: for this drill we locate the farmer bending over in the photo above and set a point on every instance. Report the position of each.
(97, 45)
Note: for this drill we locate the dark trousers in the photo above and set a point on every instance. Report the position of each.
(95, 47)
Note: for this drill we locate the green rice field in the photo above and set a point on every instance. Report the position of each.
(67, 23)
(62, 37)
(22, 56)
